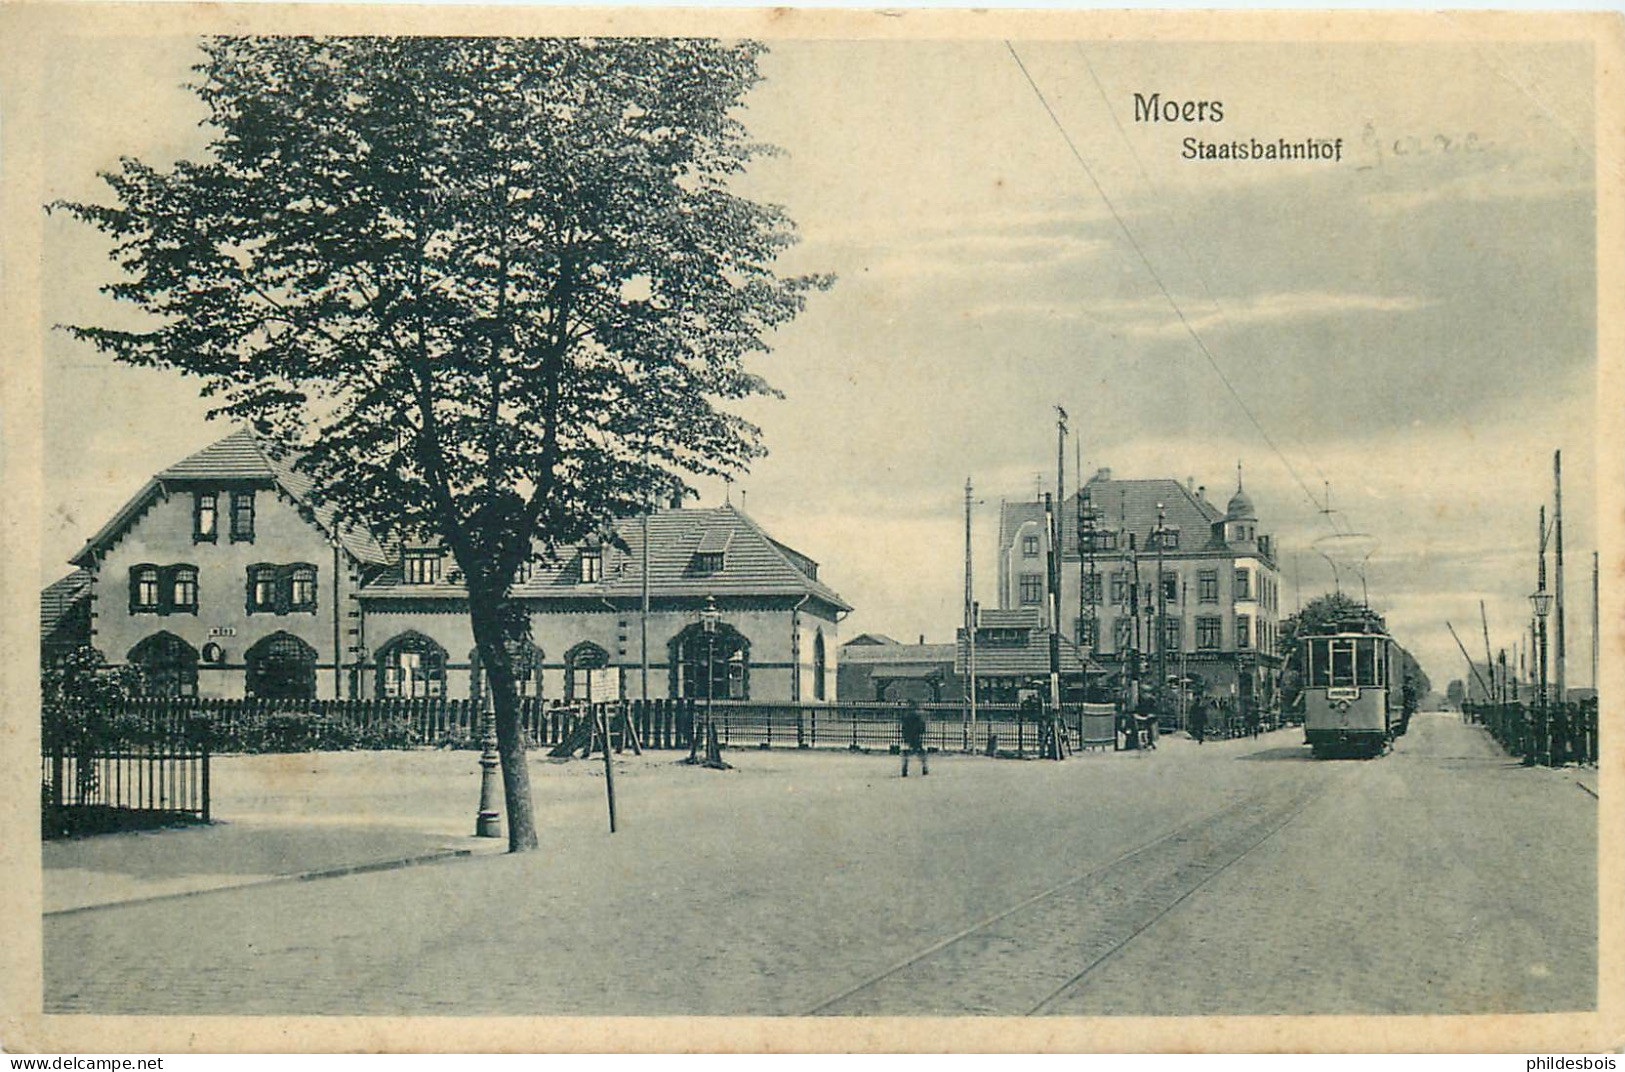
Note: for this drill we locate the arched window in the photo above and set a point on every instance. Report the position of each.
(526, 660)
(819, 666)
(712, 665)
(281, 667)
(588, 677)
(411, 666)
(168, 665)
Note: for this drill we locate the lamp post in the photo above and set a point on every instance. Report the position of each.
(1541, 600)
(708, 618)
(489, 822)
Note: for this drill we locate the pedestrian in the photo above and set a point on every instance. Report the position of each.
(914, 737)
(1252, 719)
(1198, 720)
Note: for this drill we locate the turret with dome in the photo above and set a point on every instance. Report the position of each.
(1241, 517)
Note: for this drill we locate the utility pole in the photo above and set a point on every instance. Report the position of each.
(1594, 620)
(1134, 620)
(1560, 690)
(1471, 669)
(643, 610)
(1055, 608)
(1489, 660)
(1161, 626)
(970, 626)
(1087, 530)
(1540, 618)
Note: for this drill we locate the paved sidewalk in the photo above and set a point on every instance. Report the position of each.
(135, 866)
(284, 817)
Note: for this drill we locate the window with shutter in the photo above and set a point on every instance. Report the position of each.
(284, 582)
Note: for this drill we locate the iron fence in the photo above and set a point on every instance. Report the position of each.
(1545, 734)
(108, 768)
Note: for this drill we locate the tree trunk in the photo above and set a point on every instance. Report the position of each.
(486, 617)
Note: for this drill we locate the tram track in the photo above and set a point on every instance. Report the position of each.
(1027, 959)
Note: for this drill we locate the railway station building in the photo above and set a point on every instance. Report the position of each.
(1219, 581)
(221, 578)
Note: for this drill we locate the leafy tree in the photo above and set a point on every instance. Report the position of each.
(82, 676)
(489, 291)
(1326, 613)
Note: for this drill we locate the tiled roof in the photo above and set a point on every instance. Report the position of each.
(864, 640)
(1026, 660)
(1123, 505)
(59, 597)
(240, 456)
(236, 457)
(897, 654)
(1131, 505)
(1017, 618)
(753, 564)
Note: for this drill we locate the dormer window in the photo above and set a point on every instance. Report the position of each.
(205, 516)
(592, 565)
(709, 554)
(1029, 546)
(421, 566)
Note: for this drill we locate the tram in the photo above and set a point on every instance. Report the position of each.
(1346, 692)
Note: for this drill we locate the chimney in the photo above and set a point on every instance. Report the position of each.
(1201, 492)
(1103, 474)
(1190, 483)
(676, 500)
(922, 640)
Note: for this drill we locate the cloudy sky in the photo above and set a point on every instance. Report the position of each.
(1413, 325)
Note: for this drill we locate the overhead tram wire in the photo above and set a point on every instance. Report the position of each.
(1156, 277)
(1190, 259)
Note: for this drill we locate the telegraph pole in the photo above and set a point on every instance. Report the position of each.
(970, 625)
(1594, 620)
(1134, 621)
(1086, 571)
(1540, 619)
(1560, 689)
(1055, 608)
(1161, 627)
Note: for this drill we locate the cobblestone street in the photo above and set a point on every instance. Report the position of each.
(1195, 879)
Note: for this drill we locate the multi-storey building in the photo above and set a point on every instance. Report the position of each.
(1206, 605)
(223, 578)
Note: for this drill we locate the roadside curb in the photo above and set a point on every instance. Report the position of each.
(438, 856)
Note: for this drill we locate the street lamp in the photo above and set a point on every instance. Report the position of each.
(1541, 601)
(709, 617)
(489, 821)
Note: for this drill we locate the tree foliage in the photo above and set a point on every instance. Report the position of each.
(1328, 613)
(488, 291)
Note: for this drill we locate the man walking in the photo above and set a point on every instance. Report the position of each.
(914, 737)
(1198, 719)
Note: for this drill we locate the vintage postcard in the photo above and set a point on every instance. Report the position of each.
(569, 529)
